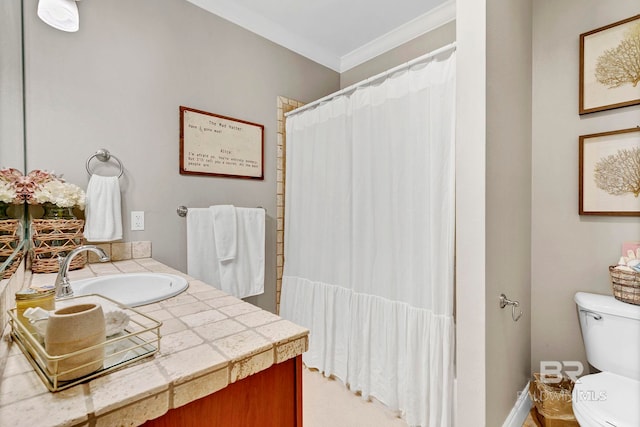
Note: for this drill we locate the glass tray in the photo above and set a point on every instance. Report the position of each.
(140, 338)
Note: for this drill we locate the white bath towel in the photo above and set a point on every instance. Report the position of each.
(224, 229)
(202, 260)
(103, 215)
(244, 275)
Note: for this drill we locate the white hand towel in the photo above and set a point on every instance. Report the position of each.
(103, 215)
(224, 229)
(244, 276)
(115, 319)
(202, 261)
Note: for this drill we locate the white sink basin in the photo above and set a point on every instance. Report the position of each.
(132, 289)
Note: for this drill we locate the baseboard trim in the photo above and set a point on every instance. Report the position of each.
(520, 410)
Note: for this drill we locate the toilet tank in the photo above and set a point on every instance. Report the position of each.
(611, 333)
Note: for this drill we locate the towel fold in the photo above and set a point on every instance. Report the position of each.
(244, 276)
(241, 276)
(103, 215)
(224, 229)
(202, 261)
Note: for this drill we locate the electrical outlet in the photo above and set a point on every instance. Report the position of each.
(137, 220)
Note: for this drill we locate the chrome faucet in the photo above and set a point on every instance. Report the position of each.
(63, 287)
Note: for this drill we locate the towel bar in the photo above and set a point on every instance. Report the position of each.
(182, 210)
(104, 155)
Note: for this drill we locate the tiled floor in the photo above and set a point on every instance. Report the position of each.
(328, 403)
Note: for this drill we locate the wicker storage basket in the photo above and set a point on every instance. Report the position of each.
(626, 285)
(51, 238)
(9, 238)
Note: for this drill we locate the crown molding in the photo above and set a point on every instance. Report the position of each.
(278, 34)
(429, 21)
(270, 30)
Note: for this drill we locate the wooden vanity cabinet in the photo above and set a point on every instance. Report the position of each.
(271, 398)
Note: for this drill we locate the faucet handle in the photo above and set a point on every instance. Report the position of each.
(60, 262)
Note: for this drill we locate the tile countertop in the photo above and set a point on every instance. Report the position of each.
(209, 340)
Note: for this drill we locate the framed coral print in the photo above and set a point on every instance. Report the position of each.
(610, 66)
(609, 173)
(216, 145)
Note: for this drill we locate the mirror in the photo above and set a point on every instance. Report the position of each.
(12, 141)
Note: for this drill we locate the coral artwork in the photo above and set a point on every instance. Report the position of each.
(619, 173)
(621, 65)
(610, 66)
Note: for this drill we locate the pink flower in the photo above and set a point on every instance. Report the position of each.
(10, 174)
(9, 178)
(29, 184)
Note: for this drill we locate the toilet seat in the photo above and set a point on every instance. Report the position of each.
(606, 400)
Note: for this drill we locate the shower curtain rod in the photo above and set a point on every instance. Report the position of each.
(354, 86)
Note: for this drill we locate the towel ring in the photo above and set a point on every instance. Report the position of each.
(104, 156)
(504, 301)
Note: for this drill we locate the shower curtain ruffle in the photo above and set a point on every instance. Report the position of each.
(377, 347)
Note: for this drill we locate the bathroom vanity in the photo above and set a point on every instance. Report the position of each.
(222, 362)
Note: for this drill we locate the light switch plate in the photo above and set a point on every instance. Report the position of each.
(137, 220)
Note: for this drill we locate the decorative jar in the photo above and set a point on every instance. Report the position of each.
(78, 328)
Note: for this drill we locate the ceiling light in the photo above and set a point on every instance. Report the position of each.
(60, 14)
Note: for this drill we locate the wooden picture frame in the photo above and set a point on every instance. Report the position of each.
(605, 81)
(609, 173)
(215, 145)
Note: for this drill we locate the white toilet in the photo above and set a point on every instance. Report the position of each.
(611, 333)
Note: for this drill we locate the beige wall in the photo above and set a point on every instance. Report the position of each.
(570, 253)
(493, 199)
(11, 131)
(432, 40)
(470, 212)
(508, 199)
(118, 83)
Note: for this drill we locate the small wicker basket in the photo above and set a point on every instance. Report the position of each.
(9, 239)
(626, 285)
(51, 238)
(13, 266)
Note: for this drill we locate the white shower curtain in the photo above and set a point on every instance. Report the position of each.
(369, 234)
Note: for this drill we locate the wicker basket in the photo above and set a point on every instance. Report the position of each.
(626, 285)
(9, 239)
(51, 238)
(13, 266)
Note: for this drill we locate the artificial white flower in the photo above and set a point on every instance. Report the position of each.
(7, 192)
(61, 194)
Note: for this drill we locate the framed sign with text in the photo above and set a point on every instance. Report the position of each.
(216, 145)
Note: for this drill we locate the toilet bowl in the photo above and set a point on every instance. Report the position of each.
(611, 333)
(606, 399)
